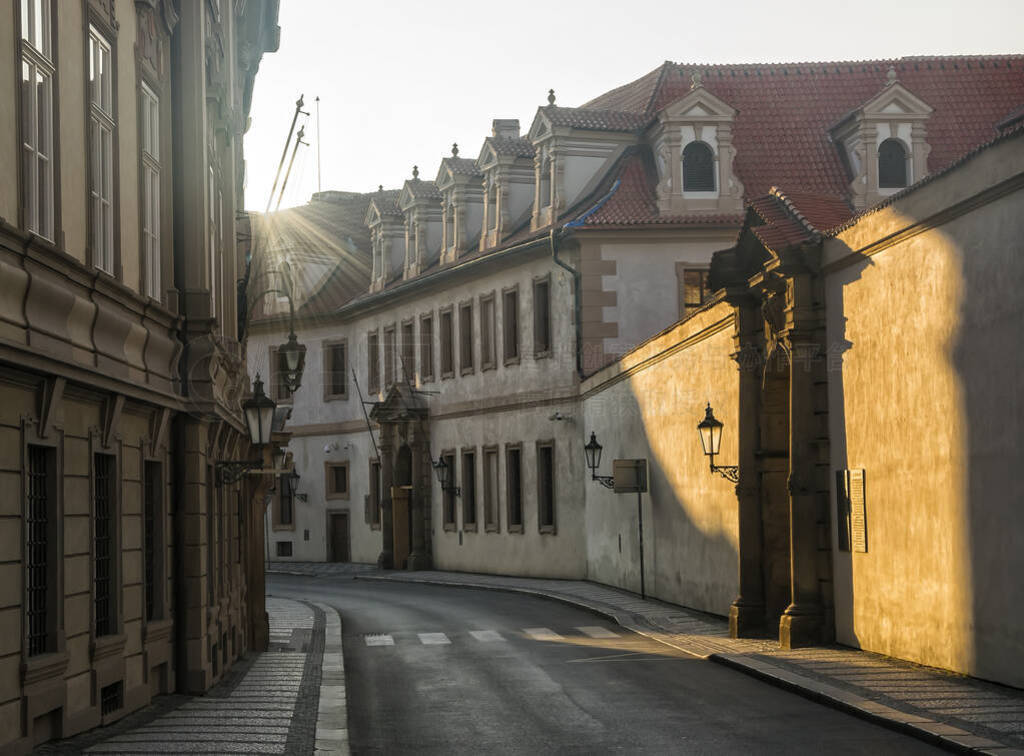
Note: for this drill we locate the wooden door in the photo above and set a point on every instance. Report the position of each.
(400, 524)
(339, 538)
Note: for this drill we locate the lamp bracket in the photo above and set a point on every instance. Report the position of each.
(729, 472)
(605, 480)
(229, 472)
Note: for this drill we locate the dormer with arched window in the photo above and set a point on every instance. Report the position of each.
(883, 143)
(420, 201)
(506, 162)
(462, 204)
(692, 144)
(387, 237)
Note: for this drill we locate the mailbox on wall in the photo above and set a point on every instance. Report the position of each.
(630, 475)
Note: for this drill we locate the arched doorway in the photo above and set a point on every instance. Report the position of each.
(773, 473)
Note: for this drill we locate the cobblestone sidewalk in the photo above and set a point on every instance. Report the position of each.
(956, 712)
(289, 700)
(320, 569)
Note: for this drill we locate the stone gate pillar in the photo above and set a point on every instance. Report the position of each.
(419, 557)
(386, 560)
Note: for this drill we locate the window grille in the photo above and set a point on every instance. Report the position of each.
(698, 168)
(284, 548)
(151, 512)
(103, 543)
(111, 697)
(892, 165)
(37, 552)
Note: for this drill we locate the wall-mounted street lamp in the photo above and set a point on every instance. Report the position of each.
(294, 361)
(710, 429)
(444, 474)
(593, 452)
(259, 417)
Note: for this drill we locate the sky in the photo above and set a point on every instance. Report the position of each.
(400, 81)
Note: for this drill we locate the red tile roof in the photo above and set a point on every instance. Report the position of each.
(515, 146)
(781, 132)
(595, 119)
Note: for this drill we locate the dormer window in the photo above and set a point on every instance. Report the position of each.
(698, 168)
(892, 164)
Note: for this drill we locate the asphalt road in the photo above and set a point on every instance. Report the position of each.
(458, 671)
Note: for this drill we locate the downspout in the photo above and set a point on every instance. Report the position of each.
(553, 237)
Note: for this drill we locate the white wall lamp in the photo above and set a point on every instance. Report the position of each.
(710, 429)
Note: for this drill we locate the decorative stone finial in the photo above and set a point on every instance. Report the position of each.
(455, 149)
(551, 97)
(415, 172)
(695, 80)
(890, 78)
(380, 188)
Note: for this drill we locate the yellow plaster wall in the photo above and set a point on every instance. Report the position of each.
(648, 405)
(928, 401)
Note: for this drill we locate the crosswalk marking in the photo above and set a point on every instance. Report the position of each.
(542, 633)
(486, 635)
(598, 632)
(379, 639)
(433, 639)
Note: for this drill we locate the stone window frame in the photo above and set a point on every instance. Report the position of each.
(907, 163)
(25, 51)
(548, 351)
(467, 346)
(682, 268)
(407, 350)
(279, 549)
(161, 609)
(469, 488)
(373, 497)
(278, 390)
(508, 360)
(328, 368)
(552, 527)
(483, 300)
(102, 644)
(105, 26)
(390, 363)
(448, 503)
(449, 311)
(53, 661)
(330, 492)
(373, 372)
(517, 528)
(491, 490)
(426, 346)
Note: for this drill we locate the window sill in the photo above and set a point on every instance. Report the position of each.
(49, 666)
(449, 527)
(547, 530)
(446, 376)
(492, 527)
(466, 371)
(487, 366)
(277, 527)
(106, 646)
(515, 530)
(335, 397)
(337, 496)
(469, 527)
(545, 355)
(157, 630)
(511, 361)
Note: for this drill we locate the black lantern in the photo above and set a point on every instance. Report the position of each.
(259, 414)
(710, 429)
(444, 476)
(593, 453)
(294, 362)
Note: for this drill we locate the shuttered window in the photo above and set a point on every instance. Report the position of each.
(698, 168)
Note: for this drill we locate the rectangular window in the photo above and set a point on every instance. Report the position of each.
(336, 483)
(466, 338)
(286, 510)
(514, 487)
(448, 510)
(373, 516)
(492, 524)
(546, 486)
(469, 490)
(104, 543)
(150, 210)
(212, 231)
(694, 291)
(542, 317)
(152, 514)
(408, 352)
(373, 362)
(37, 71)
(101, 150)
(284, 548)
(389, 356)
(278, 372)
(40, 566)
(426, 348)
(487, 360)
(335, 371)
(447, 344)
(510, 325)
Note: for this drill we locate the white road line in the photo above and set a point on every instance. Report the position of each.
(542, 633)
(486, 635)
(380, 639)
(598, 632)
(433, 639)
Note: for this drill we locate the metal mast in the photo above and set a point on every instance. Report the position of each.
(284, 153)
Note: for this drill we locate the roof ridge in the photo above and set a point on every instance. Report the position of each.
(665, 67)
(791, 208)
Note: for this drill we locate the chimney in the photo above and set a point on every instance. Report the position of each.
(505, 128)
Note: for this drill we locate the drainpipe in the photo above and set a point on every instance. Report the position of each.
(553, 237)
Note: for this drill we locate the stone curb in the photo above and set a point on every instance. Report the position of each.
(936, 733)
(332, 715)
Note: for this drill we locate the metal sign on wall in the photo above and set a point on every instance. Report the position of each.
(851, 510)
(630, 475)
